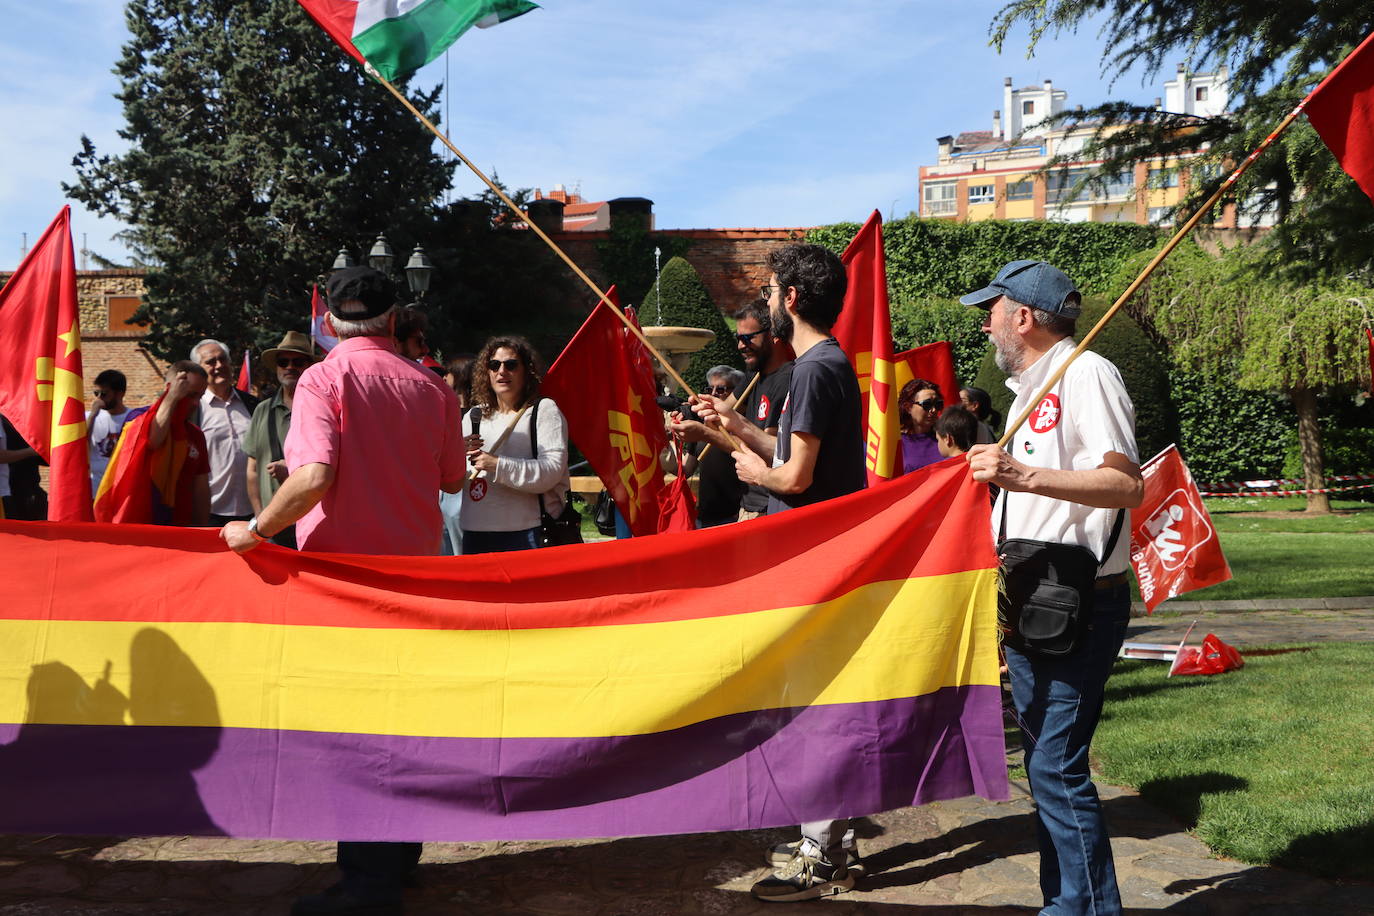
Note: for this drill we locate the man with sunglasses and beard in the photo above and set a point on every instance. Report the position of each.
(770, 356)
(270, 424)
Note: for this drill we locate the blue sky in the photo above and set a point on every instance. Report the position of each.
(724, 113)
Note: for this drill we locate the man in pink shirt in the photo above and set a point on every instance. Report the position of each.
(373, 436)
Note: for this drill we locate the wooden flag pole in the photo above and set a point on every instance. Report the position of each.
(1164, 252)
(747, 388)
(515, 208)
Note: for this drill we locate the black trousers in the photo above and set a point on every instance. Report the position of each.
(376, 872)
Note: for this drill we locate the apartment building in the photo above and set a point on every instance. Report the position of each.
(995, 174)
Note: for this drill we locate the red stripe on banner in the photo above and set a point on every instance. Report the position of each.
(928, 523)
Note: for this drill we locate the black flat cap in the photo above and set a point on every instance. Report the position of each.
(359, 293)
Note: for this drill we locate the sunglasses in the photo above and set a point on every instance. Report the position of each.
(495, 364)
(930, 404)
(292, 362)
(746, 338)
(719, 391)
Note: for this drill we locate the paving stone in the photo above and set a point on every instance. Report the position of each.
(1185, 866)
(40, 878)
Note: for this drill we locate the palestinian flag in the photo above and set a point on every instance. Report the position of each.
(398, 37)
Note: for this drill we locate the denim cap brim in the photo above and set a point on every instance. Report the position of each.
(983, 298)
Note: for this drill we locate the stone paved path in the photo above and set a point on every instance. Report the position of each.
(966, 856)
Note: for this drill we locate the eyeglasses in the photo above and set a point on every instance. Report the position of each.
(495, 364)
(719, 391)
(766, 290)
(930, 404)
(745, 338)
(292, 362)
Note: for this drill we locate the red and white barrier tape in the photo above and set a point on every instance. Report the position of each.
(1358, 486)
(1279, 482)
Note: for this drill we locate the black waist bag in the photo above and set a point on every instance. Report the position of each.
(1045, 602)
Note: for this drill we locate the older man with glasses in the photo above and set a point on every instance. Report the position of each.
(270, 424)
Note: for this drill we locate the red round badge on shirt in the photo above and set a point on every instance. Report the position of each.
(763, 408)
(477, 490)
(1045, 416)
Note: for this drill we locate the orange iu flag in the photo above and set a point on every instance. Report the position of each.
(864, 332)
(40, 374)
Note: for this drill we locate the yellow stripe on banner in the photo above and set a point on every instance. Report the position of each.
(573, 682)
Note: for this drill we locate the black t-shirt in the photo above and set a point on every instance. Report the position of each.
(823, 400)
(719, 489)
(763, 408)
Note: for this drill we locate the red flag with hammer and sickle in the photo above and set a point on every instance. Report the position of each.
(864, 332)
(41, 385)
(603, 381)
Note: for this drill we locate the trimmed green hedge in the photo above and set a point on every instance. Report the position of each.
(1142, 368)
(917, 323)
(686, 303)
(936, 258)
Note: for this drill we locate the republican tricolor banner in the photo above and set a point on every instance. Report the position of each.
(1174, 546)
(647, 686)
(319, 330)
(398, 37)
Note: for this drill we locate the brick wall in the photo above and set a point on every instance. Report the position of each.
(731, 262)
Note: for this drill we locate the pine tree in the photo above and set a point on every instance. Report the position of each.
(257, 149)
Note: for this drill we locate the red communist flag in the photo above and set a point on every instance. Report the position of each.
(40, 375)
(864, 332)
(1341, 109)
(1174, 547)
(245, 382)
(615, 420)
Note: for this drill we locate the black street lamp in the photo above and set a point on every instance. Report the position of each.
(419, 269)
(381, 257)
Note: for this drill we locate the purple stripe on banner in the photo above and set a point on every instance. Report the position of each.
(738, 772)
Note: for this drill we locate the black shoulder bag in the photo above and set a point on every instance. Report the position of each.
(1046, 594)
(567, 528)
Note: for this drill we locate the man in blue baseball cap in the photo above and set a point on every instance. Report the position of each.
(1068, 476)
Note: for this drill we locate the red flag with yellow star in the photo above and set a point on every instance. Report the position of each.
(603, 381)
(864, 332)
(40, 376)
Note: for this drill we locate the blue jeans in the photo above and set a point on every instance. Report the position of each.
(1059, 701)
(499, 541)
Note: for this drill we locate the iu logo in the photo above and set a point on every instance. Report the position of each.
(477, 489)
(764, 404)
(1045, 416)
(1177, 529)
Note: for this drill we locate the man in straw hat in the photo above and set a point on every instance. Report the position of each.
(271, 422)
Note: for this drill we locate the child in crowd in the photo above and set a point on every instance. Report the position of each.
(955, 431)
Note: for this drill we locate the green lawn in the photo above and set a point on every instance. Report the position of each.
(1295, 556)
(1271, 764)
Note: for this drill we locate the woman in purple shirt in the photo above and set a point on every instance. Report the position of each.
(920, 405)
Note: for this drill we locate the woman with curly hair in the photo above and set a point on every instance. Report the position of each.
(919, 405)
(517, 450)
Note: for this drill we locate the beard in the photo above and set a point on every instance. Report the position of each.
(782, 323)
(1010, 351)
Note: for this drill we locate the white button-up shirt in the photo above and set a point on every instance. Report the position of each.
(1086, 415)
(225, 424)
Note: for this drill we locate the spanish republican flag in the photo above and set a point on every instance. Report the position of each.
(137, 469)
(646, 686)
(864, 332)
(615, 421)
(41, 384)
(1341, 109)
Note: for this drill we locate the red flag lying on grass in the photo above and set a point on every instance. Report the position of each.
(864, 332)
(41, 385)
(615, 421)
(1341, 109)
(1174, 547)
